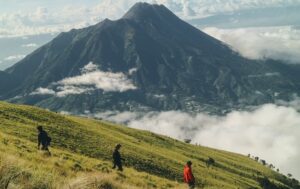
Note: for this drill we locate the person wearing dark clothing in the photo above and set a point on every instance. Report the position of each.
(117, 159)
(188, 176)
(43, 139)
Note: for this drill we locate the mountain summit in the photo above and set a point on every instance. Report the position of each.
(144, 10)
(147, 60)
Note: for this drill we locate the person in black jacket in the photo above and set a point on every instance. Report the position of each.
(117, 159)
(43, 139)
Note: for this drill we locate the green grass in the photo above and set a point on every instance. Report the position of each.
(32, 169)
(82, 151)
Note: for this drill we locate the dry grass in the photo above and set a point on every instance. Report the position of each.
(97, 181)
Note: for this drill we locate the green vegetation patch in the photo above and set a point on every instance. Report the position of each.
(77, 140)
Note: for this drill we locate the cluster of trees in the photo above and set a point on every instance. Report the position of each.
(263, 162)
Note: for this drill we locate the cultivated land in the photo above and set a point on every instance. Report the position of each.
(81, 157)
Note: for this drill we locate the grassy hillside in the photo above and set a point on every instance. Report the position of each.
(81, 156)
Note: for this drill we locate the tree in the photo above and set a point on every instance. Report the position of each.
(271, 166)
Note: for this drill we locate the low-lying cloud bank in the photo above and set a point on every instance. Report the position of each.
(270, 132)
(279, 43)
(91, 79)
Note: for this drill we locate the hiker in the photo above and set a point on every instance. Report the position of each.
(188, 175)
(43, 139)
(117, 159)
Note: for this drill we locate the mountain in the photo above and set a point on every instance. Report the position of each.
(3, 79)
(6, 82)
(147, 60)
(81, 157)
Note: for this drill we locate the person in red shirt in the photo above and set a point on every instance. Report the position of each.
(188, 176)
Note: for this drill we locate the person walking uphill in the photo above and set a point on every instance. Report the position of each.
(188, 175)
(117, 159)
(43, 139)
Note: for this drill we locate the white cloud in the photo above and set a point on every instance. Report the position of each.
(71, 90)
(43, 91)
(107, 81)
(90, 67)
(46, 20)
(118, 117)
(159, 96)
(40, 15)
(187, 9)
(65, 113)
(295, 102)
(271, 132)
(91, 79)
(279, 43)
(270, 74)
(132, 71)
(223, 6)
(14, 57)
(29, 45)
(42, 21)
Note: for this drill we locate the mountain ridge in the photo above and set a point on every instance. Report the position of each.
(172, 59)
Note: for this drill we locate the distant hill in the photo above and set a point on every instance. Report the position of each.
(81, 157)
(156, 61)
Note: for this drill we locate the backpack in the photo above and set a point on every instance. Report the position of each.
(49, 139)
